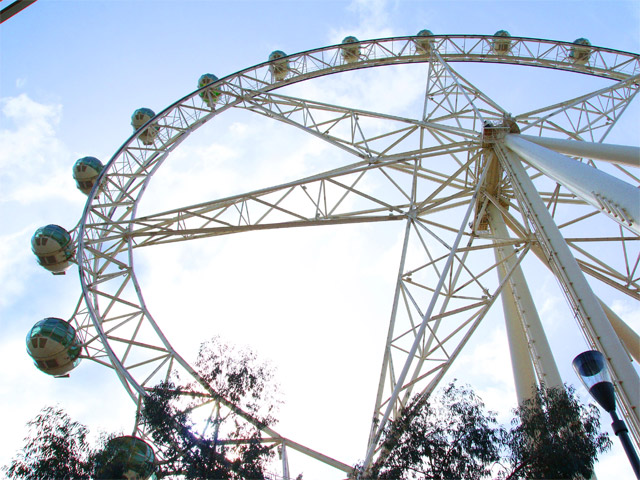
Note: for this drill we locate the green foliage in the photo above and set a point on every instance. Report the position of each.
(554, 436)
(450, 437)
(56, 448)
(240, 377)
(237, 377)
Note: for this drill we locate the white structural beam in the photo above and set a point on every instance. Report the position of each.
(530, 351)
(400, 385)
(584, 302)
(629, 338)
(626, 334)
(524, 375)
(620, 154)
(616, 198)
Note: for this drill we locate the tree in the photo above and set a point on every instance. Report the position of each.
(56, 448)
(233, 448)
(447, 437)
(554, 436)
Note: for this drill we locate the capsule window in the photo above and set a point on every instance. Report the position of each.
(51, 363)
(49, 260)
(42, 342)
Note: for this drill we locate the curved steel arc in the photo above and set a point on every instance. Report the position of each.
(107, 227)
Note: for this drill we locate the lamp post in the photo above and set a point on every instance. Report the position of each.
(592, 371)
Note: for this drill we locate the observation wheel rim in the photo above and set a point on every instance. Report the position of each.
(91, 239)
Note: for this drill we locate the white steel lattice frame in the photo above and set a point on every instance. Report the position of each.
(445, 289)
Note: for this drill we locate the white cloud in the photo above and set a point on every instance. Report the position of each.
(32, 156)
(373, 21)
(13, 255)
(34, 128)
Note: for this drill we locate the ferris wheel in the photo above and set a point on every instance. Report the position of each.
(474, 188)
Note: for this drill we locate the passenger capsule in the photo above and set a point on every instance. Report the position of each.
(139, 118)
(279, 68)
(423, 45)
(85, 172)
(53, 247)
(126, 457)
(501, 43)
(350, 49)
(209, 96)
(54, 346)
(581, 51)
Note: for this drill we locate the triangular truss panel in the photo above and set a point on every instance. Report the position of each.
(445, 179)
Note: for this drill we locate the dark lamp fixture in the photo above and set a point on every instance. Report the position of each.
(592, 371)
(591, 368)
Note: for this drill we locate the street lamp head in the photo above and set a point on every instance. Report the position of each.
(592, 371)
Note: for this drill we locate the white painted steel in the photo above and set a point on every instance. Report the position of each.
(530, 351)
(618, 199)
(620, 154)
(586, 306)
(285, 462)
(524, 375)
(626, 334)
(423, 325)
(450, 130)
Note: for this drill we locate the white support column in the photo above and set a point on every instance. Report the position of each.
(620, 154)
(523, 373)
(616, 198)
(285, 461)
(530, 351)
(629, 338)
(590, 314)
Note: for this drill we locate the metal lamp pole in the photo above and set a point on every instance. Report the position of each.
(592, 371)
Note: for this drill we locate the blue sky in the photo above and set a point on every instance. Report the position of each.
(71, 74)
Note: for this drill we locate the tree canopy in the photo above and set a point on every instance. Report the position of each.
(553, 435)
(56, 448)
(445, 436)
(232, 447)
(451, 436)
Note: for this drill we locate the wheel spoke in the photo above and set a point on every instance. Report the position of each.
(589, 117)
(469, 221)
(365, 134)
